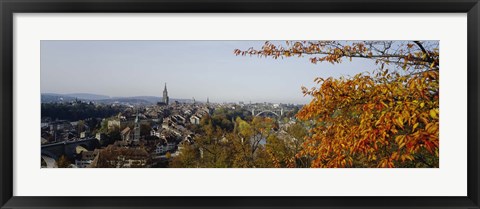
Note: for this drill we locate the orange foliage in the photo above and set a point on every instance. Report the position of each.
(389, 118)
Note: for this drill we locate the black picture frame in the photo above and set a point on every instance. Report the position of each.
(9, 7)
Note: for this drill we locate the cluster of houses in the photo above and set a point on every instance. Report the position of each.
(168, 133)
(116, 155)
(62, 130)
(144, 133)
(173, 132)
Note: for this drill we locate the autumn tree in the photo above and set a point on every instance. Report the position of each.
(188, 158)
(279, 152)
(63, 162)
(210, 149)
(214, 151)
(248, 140)
(283, 147)
(217, 147)
(388, 117)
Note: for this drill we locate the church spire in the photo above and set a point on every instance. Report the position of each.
(136, 118)
(136, 129)
(165, 94)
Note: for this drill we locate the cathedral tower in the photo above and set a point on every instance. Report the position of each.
(165, 95)
(136, 129)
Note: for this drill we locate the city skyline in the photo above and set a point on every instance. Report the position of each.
(191, 69)
(160, 97)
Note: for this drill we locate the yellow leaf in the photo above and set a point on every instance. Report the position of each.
(433, 114)
(399, 139)
(414, 127)
(383, 103)
(400, 122)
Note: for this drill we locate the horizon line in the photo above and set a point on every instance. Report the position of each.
(191, 99)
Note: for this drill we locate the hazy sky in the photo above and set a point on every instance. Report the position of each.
(198, 69)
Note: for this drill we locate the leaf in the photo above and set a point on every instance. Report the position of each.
(433, 114)
(400, 122)
(414, 127)
(385, 73)
(399, 139)
(385, 105)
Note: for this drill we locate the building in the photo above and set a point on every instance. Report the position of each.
(194, 120)
(114, 156)
(155, 131)
(113, 124)
(100, 136)
(86, 159)
(126, 134)
(136, 158)
(171, 142)
(178, 119)
(161, 148)
(165, 95)
(136, 129)
(83, 134)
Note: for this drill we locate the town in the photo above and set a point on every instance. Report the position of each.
(124, 135)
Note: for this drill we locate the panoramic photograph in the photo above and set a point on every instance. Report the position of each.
(240, 104)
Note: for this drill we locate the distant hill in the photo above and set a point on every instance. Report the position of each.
(85, 96)
(47, 98)
(150, 99)
(123, 100)
(52, 97)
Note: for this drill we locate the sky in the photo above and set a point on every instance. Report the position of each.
(191, 69)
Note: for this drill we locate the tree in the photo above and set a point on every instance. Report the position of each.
(279, 152)
(188, 158)
(214, 152)
(388, 118)
(63, 162)
(248, 140)
(217, 147)
(80, 126)
(145, 129)
(79, 111)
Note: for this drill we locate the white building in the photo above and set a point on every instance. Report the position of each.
(156, 131)
(195, 120)
(161, 148)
